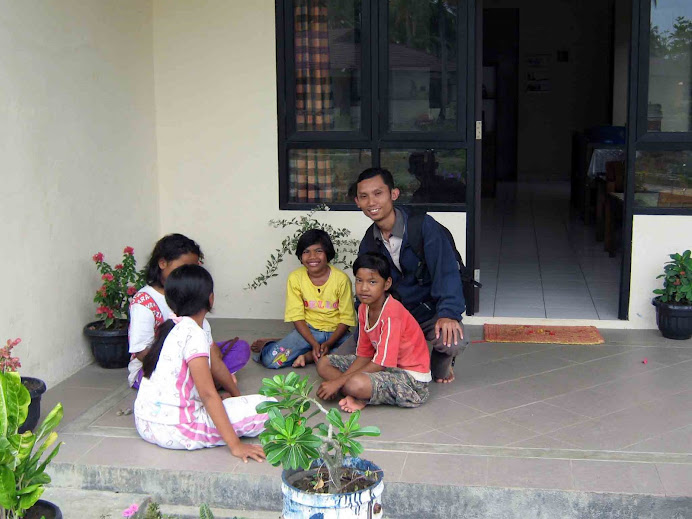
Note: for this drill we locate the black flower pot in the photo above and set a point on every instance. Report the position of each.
(36, 389)
(674, 320)
(43, 509)
(109, 347)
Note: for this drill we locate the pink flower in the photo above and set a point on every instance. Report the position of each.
(107, 277)
(101, 309)
(98, 257)
(131, 291)
(129, 250)
(109, 313)
(119, 266)
(130, 511)
(102, 291)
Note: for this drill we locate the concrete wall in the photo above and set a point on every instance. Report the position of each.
(580, 88)
(654, 238)
(78, 166)
(215, 70)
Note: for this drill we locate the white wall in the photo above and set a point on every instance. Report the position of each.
(654, 238)
(215, 70)
(78, 166)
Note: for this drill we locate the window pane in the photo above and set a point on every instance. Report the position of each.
(428, 176)
(324, 176)
(422, 65)
(670, 66)
(663, 179)
(327, 61)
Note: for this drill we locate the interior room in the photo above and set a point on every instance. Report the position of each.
(554, 118)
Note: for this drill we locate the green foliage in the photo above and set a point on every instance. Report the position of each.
(677, 279)
(153, 511)
(289, 441)
(345, 247)
(22, 465)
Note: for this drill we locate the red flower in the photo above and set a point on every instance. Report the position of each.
(102, 291)
(98, 257)
(109, 313)
(107, 277)
(119, 266)
(101, 309)
(129, 250)
(131, 291)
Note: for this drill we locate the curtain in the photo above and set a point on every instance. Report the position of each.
(311, 169)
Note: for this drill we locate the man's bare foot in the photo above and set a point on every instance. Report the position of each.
(299, 362)
(351, 405)
(449, 378)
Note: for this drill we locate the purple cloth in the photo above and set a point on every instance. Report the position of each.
(235, 353)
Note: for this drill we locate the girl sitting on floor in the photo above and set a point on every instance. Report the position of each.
(177, 406)
(319, 303)
(148, 310)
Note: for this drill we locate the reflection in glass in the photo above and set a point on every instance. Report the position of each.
(663, 178)
(422, 65)
(327, 65)
(428, 176)
(670, 66)
(324, 175)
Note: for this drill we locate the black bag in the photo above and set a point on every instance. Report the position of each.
(414, 228)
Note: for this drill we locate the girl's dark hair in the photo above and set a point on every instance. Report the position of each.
(188, 289)
(312, 237)
(373, 261)
(169, 248)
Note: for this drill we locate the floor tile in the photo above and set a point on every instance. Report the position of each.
(590, 403)
(442, 469)
(80, 399)
(94, 376)
(112, 419)
(678, 440)
(487, 431)
(676, 479)
(544, 441)
(493, 399)
(529, 473)
(609, 476)
(541, 418)
(75, 446)
(392, 463)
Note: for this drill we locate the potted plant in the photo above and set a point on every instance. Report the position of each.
(22, 464)
(322, 477)
(345, 247)
(151, 510)
(108, 335)
(35, 386)
(674, 301)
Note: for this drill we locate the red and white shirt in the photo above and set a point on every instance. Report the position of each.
(395, 341)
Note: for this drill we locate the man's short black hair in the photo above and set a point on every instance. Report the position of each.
(374, 172)
(373, 261)
(312, 237)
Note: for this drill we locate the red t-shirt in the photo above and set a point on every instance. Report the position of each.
(396, 340)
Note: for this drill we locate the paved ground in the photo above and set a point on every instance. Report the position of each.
(523, 416)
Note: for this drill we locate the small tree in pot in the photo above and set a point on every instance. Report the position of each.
(324, 456)
(108, 334)
(674, 301)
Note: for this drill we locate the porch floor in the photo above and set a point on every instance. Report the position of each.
(522, 416)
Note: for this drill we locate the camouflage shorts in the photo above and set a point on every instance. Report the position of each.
(392, 386)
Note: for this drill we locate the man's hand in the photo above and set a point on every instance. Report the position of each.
(450, 330)
(247, 450)
(328, 389)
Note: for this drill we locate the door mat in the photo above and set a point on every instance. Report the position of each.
(542, 334)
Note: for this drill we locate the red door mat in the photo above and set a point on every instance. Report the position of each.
(542, 334)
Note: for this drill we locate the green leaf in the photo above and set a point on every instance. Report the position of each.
(8, 495)
(50, 422)
(29, 500)
(370, 430)
(334, 418)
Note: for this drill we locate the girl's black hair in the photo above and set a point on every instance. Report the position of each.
(169, 248)
(373, 261)
(312, 237)
(188, 289)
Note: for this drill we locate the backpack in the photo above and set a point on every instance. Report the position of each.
(414, 228)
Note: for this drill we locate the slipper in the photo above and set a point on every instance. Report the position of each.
(257, 346)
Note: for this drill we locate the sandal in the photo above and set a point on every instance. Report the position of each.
(259, 344)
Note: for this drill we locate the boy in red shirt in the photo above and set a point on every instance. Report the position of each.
(392, 362)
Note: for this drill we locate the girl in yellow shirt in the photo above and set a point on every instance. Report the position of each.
(319, 303)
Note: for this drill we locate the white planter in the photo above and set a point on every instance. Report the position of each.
(364, 504)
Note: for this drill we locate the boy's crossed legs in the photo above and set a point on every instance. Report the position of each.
(392, 386)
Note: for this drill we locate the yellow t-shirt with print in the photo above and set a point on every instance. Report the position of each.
(323, 307)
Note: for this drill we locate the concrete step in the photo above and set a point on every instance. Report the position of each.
(77, 503)
(237, 491)
(192, 512)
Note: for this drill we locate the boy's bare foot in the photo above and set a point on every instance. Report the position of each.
(351, 405)
(299, 362)
(257, 346)
(449, 378)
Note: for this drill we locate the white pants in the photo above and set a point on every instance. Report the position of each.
(202, 432)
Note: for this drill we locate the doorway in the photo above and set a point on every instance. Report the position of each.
(554, 116)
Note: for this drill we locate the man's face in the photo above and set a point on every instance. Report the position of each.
(375, 199)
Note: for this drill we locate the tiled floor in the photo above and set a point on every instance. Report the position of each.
(537, 261)
(592, 418)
